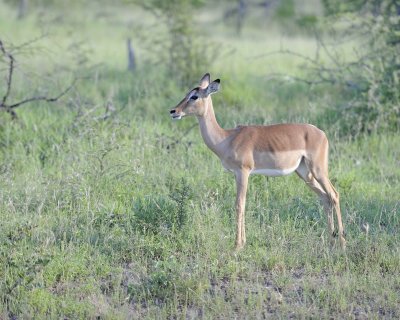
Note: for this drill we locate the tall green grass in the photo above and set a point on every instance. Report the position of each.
(132, 217)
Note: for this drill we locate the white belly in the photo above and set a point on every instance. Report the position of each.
(275, 172)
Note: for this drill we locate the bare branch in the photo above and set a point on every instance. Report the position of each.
(327, 51)
(285, 77)
(288, 52)
(28, 44)
(11, 64)
(43, 98)
(10, 73)
(321, 73)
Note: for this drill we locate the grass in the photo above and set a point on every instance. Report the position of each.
(133, 217)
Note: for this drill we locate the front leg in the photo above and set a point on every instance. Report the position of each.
(242, 177)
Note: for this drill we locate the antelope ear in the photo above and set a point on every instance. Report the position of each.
(205, 81)
(213, 87)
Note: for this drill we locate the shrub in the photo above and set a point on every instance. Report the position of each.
(182, 49)
(370, 82)
(164, 213)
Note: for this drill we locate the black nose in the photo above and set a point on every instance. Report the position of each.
(172, 111)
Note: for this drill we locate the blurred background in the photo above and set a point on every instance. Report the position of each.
(258, 48)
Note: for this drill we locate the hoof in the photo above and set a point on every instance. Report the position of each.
(239, 247)
(343, 243)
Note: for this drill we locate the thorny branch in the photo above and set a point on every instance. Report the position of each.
(9, 107)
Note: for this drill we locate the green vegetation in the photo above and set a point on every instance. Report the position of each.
(121, 213)
(371, 78)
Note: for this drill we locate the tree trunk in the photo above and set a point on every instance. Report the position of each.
(22, 9)
(131, 56)
(241, 12)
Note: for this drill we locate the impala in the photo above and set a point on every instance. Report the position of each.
(273, 150)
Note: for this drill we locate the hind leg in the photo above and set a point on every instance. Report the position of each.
(334, 200)
(304, 173)
(320, 173)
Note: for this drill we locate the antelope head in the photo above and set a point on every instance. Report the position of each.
(196, 101)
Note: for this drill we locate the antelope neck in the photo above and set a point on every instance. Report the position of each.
(213, 135)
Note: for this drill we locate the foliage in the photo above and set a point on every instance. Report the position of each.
(183, 49)
(163, 214)
(371, 80)
(283, 14)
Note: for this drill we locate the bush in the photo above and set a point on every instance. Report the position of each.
(371, 81)
(182, 49)
(163, 213)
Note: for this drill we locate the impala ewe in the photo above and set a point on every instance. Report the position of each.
(274, 150)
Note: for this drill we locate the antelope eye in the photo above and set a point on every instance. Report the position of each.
(193, 97)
